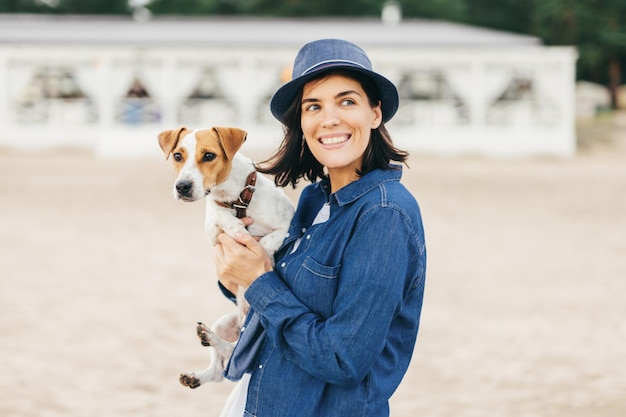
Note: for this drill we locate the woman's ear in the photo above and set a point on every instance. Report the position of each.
(378, 116)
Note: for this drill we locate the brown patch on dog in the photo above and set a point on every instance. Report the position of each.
(215, 149)
(231, 139)
(168, 140)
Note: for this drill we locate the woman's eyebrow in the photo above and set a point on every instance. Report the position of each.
(338, 95)
(347, 93)
(309, 100)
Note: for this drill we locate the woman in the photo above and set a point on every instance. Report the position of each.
(339, 311)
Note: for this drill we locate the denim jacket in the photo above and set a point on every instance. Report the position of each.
(340, 312)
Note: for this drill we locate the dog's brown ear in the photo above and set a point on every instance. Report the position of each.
(168, 139)
(231, 139)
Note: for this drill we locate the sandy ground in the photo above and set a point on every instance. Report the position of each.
(103, 277)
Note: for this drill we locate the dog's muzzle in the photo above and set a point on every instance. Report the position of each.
(184, 189)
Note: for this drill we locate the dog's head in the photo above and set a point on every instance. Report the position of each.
(202, 158)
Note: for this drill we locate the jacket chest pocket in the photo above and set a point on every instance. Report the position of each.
(315, 285)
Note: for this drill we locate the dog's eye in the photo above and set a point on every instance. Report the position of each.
(177, 156)
(208, 157)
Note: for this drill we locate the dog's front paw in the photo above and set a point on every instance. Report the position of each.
(206, 335)
(233, 227)
(190, 380)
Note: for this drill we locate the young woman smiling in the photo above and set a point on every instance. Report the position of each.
(334, 318)
(336, 121)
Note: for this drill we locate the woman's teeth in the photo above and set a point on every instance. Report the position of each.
(333, 140)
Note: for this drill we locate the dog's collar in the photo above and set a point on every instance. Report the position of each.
(241, 204)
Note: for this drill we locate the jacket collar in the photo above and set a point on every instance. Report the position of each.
(363, 185)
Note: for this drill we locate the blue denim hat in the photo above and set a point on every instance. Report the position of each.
(327, 54)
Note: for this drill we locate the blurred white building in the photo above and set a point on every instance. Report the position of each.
(111, 84)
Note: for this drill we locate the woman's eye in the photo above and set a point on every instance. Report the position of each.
(312, 107)
(347, 102)
(208, 157)
(177, 156)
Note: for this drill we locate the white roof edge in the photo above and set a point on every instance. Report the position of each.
(219, 30)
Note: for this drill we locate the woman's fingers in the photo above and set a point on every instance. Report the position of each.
(240, 259)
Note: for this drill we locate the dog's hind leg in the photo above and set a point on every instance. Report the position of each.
(220, 340)
(209, 337)
(229, 325)
(213, 373)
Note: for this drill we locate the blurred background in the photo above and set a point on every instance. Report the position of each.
(475, 76)
(513, 112)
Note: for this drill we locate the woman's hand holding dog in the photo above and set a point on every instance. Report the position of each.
(240, 260)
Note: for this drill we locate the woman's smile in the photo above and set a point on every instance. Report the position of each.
(330, 140)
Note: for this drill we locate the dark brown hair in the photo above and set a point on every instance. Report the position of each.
(293, 159)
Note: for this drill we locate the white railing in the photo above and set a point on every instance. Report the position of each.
(114, 100)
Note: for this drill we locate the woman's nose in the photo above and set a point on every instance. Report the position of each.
(330, 117)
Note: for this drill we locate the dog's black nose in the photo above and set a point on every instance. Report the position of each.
(183, 188)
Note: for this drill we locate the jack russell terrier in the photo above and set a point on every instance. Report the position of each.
(209, 164)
